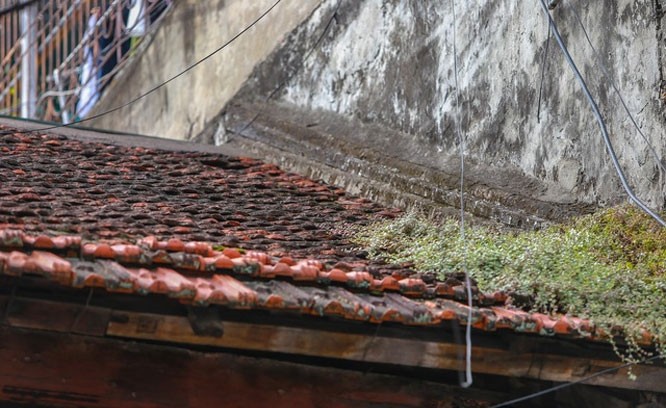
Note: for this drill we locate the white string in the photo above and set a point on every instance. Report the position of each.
(461, 146)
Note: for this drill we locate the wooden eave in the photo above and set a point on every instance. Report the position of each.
(503, 354)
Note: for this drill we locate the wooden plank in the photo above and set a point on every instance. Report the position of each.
(357, 347)
(54, 369)
(56, 316)
(387, 350)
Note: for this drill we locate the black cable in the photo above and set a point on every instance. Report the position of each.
(597, 114)
(580, 79)
(17, 7)
(106, 77)
(569, 384)
(609, 78)
(155, 88)
(544, 65)
(334, 17)
(281, 85)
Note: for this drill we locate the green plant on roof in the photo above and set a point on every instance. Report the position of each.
(608, 267)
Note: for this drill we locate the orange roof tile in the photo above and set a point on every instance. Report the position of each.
(144, 221)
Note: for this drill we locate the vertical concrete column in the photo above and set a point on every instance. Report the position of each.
(28, 19)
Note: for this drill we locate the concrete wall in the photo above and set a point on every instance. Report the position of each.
(192, 30)
(390, 63)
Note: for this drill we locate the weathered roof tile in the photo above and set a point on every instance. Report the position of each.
(142, 221)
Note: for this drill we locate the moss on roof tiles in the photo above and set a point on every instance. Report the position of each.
(609, 267)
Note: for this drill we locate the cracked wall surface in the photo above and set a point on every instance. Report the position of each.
(391, 63)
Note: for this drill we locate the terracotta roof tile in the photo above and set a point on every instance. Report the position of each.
(356, 299)
(210, 229)
(100, 191)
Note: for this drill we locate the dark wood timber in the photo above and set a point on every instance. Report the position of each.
(42, 368)
(515, 361)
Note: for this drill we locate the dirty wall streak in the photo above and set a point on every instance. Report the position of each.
(390, 63)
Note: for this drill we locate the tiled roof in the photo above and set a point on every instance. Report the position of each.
(195, 273)
(101, 191)
(145, 221)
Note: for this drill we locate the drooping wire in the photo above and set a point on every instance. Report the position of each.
(600, 121)
(101, 80)
(155, 88)
(82, 311)
(544, 66)
(609, 78)
(8, 306)
(18, 6)
(553, 28)
(281, 85)
(461, 147)
(579, 381)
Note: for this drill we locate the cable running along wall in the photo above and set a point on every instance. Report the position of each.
(599, 118)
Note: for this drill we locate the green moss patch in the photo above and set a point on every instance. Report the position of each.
(608, 267)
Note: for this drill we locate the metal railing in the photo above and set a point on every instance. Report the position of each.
(58, 56)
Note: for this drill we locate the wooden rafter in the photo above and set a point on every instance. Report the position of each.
(304, 341)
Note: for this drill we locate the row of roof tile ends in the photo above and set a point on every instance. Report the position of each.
(254, 280)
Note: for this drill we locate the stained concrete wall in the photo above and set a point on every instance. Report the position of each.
(193, 29)
(390, 63)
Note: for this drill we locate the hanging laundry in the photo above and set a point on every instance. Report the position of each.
(89, 93)
(136, 22)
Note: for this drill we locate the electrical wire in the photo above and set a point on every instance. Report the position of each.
(155, 88)
(16, 7)
(600, 121)
(82, 311)
(8, 306)
(281, 85)
(609, 78)
(553, 28)
(544, 66)
(580, 381)
(461, 146)
(103, 80)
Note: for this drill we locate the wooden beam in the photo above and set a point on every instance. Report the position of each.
(514, 362)
(55, 369)
(56, 316)
(386, 350)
